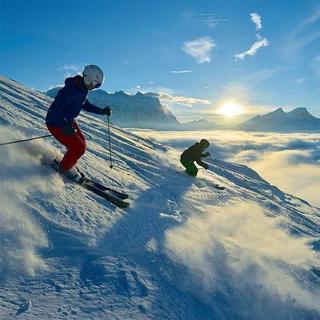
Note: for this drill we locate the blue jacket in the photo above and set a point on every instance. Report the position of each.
(68, 103)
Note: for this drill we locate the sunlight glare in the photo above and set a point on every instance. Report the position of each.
(231, 109)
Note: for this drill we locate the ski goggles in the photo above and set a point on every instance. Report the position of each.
(98, 85)
(94, 83)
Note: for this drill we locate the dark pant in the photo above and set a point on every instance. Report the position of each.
(191, 169)
(76, 145)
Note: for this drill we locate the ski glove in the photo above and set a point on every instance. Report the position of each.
(68, 130)
(106, 111)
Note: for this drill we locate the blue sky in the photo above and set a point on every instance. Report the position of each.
(262, 54)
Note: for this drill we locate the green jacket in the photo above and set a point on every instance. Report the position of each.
(194, 153)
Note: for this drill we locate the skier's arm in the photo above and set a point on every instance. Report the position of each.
(202, 164)
(204, 155)
(87, 106)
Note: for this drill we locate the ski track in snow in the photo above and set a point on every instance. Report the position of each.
(178, 252)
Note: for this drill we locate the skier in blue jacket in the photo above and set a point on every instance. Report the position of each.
(68, 103)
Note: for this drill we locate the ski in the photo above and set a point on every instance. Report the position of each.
(198, 183)
(118, 194)
(104, 194)
(109, 195)
(201, 184)
(100, 186)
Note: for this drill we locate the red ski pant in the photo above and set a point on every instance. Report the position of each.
(76, 145)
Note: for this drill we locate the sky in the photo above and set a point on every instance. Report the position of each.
(196, 54)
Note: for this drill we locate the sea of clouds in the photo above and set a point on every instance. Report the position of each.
(290, 161)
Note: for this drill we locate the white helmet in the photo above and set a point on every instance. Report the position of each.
(93, 75)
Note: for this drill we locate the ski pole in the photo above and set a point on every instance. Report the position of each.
(24, 140)
(110, 157)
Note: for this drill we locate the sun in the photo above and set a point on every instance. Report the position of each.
(231, 109)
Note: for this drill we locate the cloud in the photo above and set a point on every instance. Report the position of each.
(256, 19)
(209, 19)
(256, 78)
(260, 43)
(238, 255)
(151, 88)
(314, 17)
(298, 42)
(181, 71)
(300, 81)
(199, 49)
(71, 67)
(182, 100)
(305, 33)
(253, 50)
(315, 65)
(168, 96)
(289, 161)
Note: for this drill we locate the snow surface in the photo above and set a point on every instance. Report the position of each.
(178, 252)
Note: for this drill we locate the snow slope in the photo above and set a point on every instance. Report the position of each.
(183, 250)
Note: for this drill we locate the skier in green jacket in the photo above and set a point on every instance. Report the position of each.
(195, 153)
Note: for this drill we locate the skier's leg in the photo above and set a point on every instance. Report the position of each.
(76, 147)
(184, 163)
(79, 133)
(191, 169)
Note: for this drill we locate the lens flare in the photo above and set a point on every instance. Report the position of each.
(231, 109)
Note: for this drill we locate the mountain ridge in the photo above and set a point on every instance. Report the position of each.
(298, 119)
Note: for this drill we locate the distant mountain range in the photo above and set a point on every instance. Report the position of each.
(201, 124)
(139, 110)
(298, 119)
(146, 111)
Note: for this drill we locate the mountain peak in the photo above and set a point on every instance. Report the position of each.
(300, 110)
(278, 111)
(120, 93)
